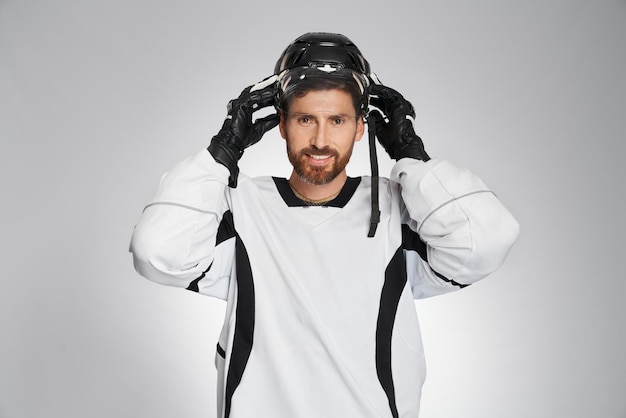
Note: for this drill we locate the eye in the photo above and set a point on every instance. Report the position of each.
(304, 120)
(338, 121)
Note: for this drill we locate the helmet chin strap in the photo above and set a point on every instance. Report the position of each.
(375, 214)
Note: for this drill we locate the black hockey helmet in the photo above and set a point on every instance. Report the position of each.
(321, 54)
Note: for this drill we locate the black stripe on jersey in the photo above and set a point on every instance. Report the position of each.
(395, 280)
(226, 230)
(413, 242)
(244, 323)
(193, 286)
(221, 351)
(340, 201)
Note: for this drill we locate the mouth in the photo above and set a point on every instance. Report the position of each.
(316, 159)
(319, 158)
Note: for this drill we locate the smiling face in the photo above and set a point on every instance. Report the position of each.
(320, 129)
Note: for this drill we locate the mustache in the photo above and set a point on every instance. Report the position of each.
(313, 150)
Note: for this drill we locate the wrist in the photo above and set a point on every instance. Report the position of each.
(415, 151)
(228, 156)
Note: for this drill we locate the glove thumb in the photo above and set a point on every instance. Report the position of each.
(261, 126)
(375, 116)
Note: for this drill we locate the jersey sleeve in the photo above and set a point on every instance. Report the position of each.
(185, 237)
(455, 230)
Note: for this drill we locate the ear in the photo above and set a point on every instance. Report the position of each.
(281, 125)
(360, 129)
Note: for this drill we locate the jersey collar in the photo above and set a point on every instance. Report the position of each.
(344, 196)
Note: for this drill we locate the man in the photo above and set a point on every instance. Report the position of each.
(320, 270)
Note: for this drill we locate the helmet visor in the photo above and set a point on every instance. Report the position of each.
(289, 79)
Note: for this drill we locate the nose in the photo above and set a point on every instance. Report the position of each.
(321, 136)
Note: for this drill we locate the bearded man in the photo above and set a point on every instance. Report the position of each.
(320, 270)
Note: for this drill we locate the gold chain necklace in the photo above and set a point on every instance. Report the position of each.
(317, 202)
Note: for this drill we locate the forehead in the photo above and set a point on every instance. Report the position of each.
(334, 101)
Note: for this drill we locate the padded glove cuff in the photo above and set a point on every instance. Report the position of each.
(227, 156)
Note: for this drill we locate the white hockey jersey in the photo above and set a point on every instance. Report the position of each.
(320, 319)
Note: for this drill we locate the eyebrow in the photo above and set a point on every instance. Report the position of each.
(340, 115)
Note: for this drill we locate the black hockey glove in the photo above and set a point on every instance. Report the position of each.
(238, 132)
(395, 132)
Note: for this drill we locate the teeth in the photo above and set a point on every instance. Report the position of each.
(319, 157)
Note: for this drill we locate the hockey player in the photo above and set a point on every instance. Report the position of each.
(320, 271)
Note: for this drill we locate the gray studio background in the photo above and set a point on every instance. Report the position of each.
(99, 98)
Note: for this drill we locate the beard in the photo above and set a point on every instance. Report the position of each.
(314, 174)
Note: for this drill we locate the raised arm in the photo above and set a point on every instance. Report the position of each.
(455, 230)
(185, 236)
(175, 242)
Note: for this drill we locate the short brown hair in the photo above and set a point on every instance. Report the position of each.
(324, 83)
